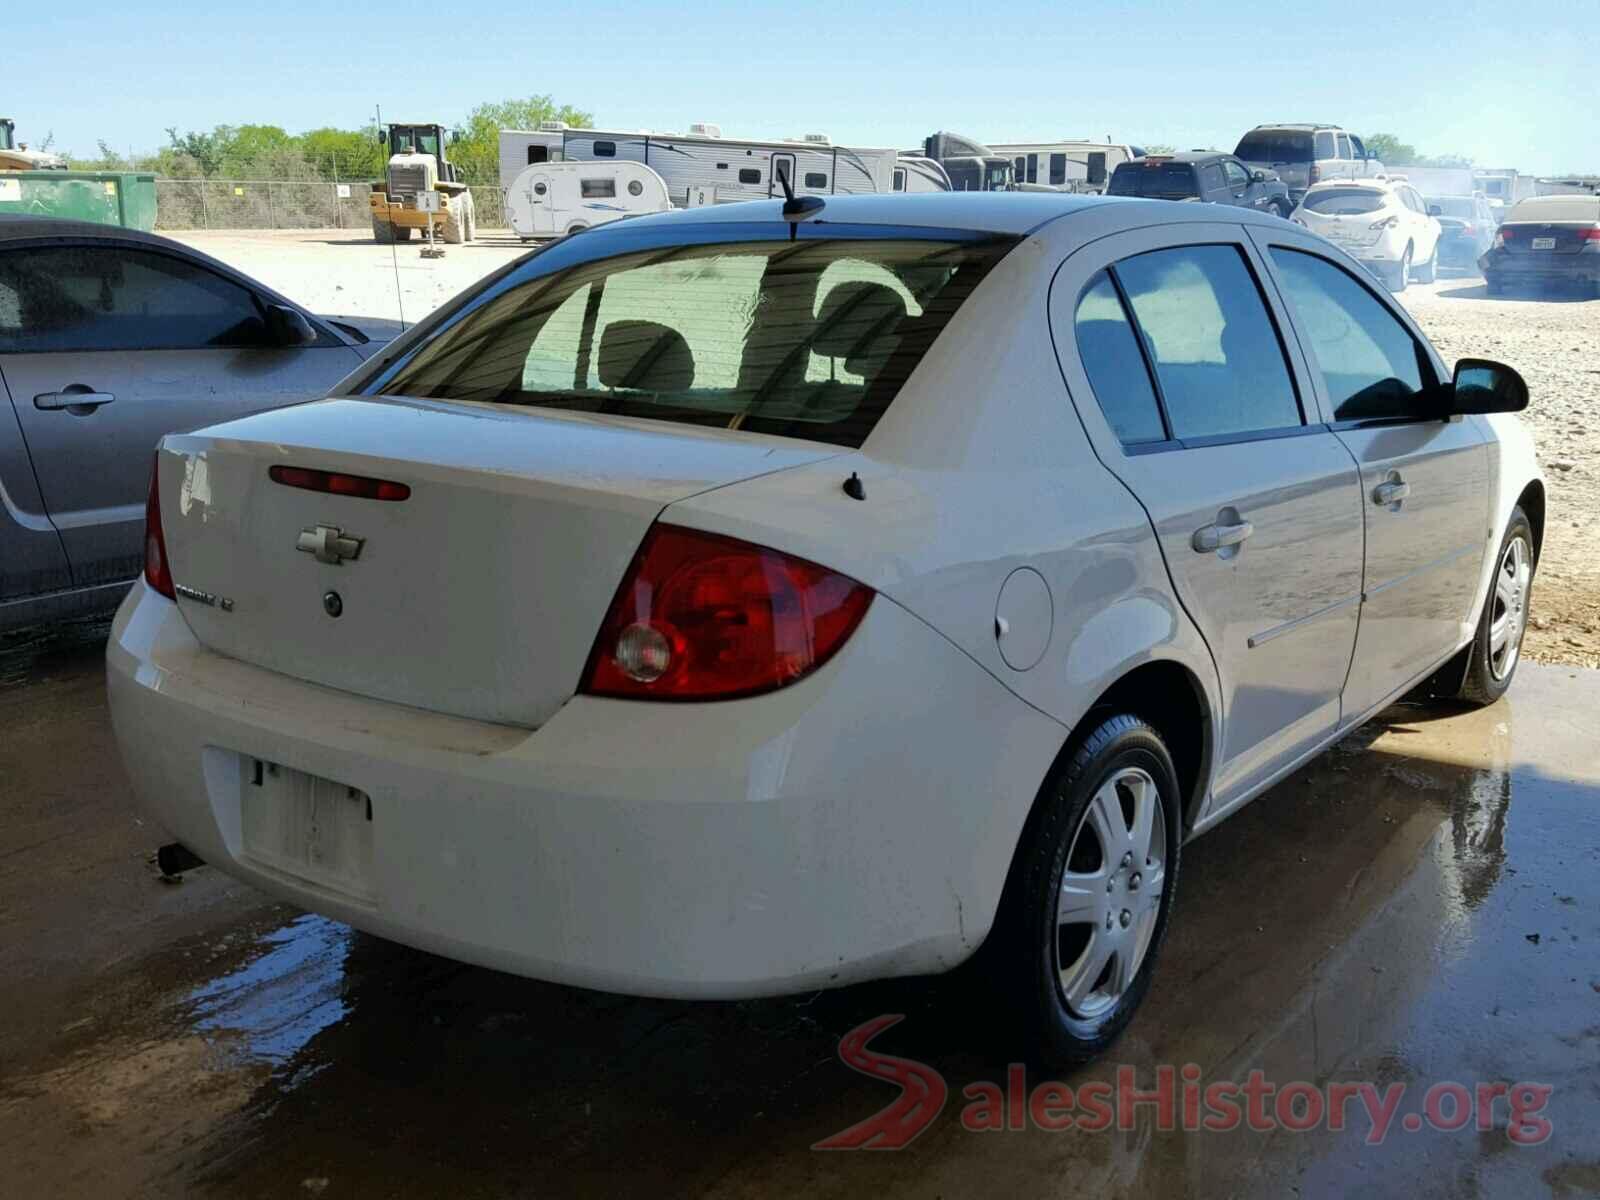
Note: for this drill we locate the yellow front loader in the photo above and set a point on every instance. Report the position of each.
(417, 164)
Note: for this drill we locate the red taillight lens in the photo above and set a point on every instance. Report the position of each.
(156, 571)
(1386, 223)
(1591, 234)
(338, 483)
(1314, 175)
(704, 617)
(1469, 229)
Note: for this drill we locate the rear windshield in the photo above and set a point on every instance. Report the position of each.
(808, 339)
(1348, 201)
(1453, 206)
(1275, 146)
(1556, 208)
(1161, 181)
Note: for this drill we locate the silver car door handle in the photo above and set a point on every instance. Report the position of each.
(73, 401)
(1389, 493)
(1215, 537)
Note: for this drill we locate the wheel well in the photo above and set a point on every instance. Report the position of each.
(1170, 698)
(1532, 503)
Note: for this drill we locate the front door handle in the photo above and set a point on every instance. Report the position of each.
(77, 400)
(1392, 492)
(1217, 537)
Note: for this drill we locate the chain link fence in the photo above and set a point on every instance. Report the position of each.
(285, 204)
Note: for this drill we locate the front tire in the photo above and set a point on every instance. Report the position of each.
(1497, 646)
(1090, 894)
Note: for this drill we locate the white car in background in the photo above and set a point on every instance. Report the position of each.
(1382, 223)
(769, 597)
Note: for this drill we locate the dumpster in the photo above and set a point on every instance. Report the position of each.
(126, 198)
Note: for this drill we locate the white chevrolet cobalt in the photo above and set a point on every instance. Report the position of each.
(754, 599)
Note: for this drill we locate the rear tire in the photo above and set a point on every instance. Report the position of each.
(1089, 896)
(382, 231)
(402, 233)
(1398, 275)
(1497, 645)
(455, 219)
(1429, 272)
(1282, 208)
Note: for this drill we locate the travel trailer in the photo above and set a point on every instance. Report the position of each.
(915, 173)
(557, 198)
(704, 163)
(1076, 165)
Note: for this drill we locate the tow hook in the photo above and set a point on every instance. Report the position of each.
(174, 859)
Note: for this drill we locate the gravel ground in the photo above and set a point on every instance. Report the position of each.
(1552, 342)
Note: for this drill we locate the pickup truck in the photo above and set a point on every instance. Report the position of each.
(1206, 175)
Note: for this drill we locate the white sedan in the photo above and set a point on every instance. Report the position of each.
(741, 601)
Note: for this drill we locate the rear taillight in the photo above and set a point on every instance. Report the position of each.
(705, 617)
(1591, 234)
(1386, 223)
(156, 571)
(1501, 236)
(1466, 229)
(1314, 175)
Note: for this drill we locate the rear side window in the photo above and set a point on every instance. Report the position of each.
(1371, 365)
(1275, 146)
(1211, 176)
(1216, 353)
(120, 298)
(1109, 350)
(809, 340)
(1325, 146)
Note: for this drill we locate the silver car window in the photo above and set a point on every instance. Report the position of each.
(1217, 355)
(1109, 349)
(1371, 365)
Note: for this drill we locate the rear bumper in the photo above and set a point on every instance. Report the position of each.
(1532, 269)
(812, 837)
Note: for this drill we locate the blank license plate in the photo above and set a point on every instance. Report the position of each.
(1544, 243)
(311, 828)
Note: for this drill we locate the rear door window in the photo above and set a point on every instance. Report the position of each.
(1325, 147)
(1372, 368)
(1219, 362)
(809, 339)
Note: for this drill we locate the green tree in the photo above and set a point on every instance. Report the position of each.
(343, 153)
(1156, 148)
(1445, 160)
(1390, 149)
(475, 144)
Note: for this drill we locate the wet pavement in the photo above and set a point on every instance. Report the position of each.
(1419, 906)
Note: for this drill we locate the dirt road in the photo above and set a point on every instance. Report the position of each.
(1552, 342)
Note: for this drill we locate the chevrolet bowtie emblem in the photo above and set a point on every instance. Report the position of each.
(330, 544)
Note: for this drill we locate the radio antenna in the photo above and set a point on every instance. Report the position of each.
(394, 255)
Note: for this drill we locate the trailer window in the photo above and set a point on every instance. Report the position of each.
(597, 189)
(749, 175)
(1058, 168)
(899, 179)
(605, 149)
(811, 340)
(816, 179)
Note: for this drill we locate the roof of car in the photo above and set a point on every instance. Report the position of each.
(1296, 125)
(14, 226)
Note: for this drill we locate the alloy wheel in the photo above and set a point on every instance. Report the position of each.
(1110, 897)
(1510, 613)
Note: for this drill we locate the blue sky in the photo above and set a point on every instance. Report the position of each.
(1512, 83)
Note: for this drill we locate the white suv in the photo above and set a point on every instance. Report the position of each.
(1383, 223)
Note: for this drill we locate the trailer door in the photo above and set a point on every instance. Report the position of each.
(782, 165)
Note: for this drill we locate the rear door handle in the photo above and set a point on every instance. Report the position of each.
(1389, 493)
(79, 404)
(1216, 537)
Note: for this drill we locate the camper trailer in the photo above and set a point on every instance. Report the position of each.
(703, 163)
(914, 172)
(1076, 165)
(554, 199)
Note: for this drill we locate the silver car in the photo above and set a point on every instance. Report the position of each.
(110, 338)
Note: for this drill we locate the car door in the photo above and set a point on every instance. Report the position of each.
(1202, 408)
(1244, 193)
(121, 343)
(1424, 479)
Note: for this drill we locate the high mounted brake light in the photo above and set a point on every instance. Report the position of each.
(339, 484)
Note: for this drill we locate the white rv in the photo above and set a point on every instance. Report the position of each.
(704, 162)
(1077, 165)
(558, 198)
(918, 173)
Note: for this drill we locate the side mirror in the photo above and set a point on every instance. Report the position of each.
(1258, 176)
(1482, 386)
(1435, 211)
(289, 327)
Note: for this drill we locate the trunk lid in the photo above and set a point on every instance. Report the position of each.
(1533, 239)
(480, 593)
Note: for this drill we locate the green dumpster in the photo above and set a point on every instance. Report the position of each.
(126, 198)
